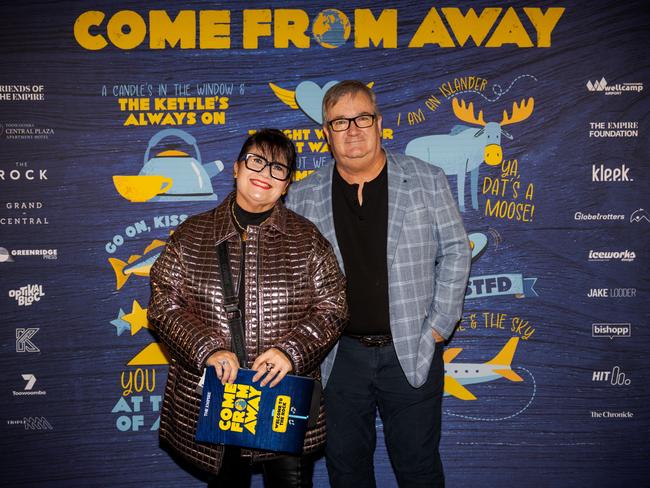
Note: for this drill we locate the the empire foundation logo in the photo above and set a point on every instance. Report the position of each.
(239, 408)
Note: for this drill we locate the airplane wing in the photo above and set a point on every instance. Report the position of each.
(449, 354)
(454, 388)
(509, 374)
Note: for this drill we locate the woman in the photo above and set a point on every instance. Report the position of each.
(291, 297)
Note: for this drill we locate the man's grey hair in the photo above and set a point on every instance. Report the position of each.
(347, 87)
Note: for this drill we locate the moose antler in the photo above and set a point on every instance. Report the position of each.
(466, 113)
(519, 112)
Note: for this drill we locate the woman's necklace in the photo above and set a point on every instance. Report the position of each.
(242, 229)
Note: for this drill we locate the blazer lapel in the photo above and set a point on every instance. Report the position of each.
(323, 192)
(397, 203)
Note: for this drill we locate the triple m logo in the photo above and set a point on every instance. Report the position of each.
(615, 377)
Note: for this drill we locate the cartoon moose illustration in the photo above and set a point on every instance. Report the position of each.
(465, 148)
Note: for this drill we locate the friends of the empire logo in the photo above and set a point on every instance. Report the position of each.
(239, 408)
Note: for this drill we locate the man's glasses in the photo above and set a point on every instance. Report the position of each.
(361, 121)
(257, 163)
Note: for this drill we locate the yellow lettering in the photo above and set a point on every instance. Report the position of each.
(510, 31)
(290, 26)
(544, 23)
(256, 23)
(163, 30)
(378, 31)
(214, 29)
(82, 25)
(250, 426)
(470, 25)
(137, 29)
(432, 31)
(223, 425)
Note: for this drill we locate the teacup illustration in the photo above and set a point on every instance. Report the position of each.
(141, 188)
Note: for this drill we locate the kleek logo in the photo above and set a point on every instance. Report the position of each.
(239, 408)
(611, 330)
(602, 174)
(625, 256)
(28, 390)
(639, 216)
(617, 89)
(32, 423)
(27, 295)
(611, 293)
(615, 377)
(24, 340)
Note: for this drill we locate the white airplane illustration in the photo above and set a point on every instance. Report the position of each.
(459, 374)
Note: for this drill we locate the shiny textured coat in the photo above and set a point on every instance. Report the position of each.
(294, 301)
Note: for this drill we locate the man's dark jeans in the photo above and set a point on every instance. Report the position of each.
(362, 380)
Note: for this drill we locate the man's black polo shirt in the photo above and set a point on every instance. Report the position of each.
(362, 234)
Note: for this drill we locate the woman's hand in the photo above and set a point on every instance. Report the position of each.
(226, 365)
(274, 363)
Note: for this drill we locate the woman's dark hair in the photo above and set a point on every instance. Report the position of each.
(272, 142)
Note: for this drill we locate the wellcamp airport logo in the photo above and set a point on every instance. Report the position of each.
(611, 330)
(616, 89)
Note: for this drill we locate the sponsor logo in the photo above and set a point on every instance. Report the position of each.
(21, 172)
(16, 93)
(615, 377)
(28, 390)
(24, 339)
(6, 255)
(611, 293)
(32, 423)
(617, 89)
(597, 216)
(603, 174)
(24, 131)
(614, 129)
(625, 256)
(22, 219)
(606, 414)
(27, 295)
(611, 330)
(638, 216)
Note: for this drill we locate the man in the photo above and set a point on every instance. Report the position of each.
(396, 230)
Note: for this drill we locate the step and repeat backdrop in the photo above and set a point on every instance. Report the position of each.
(118, 120)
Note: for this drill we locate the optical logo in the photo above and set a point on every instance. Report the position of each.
(32, 423)
(27, 295)
(617, 89)
(602, 174)
(28, 389)
(6, 255)
(611, 293)
(24, 340)
(606, 256)
(615, 377)
(639, 216)
(611, 330)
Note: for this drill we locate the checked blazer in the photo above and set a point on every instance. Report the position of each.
(428, 255)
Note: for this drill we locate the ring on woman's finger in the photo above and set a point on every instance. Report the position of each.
(269, 366)
(223, 362)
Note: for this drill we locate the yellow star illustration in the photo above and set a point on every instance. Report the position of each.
(137, 318)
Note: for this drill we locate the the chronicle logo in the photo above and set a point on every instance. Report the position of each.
(27, 295)
(32, 423)
(611, 330)
(603, 174)
(624, 256)
(606, 414)
(617, 89)
(28, 390)
(615, 377)
(24, 340)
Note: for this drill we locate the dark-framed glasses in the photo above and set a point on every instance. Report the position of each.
(362, 121)
(257, 163)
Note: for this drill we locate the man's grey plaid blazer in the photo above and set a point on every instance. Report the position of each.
(428, 255)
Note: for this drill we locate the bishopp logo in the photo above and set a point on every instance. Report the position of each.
(611, 330)
(498, 284)
(617, 89)
(173, 174)
(24, 340)
(27, 295)
(239, 408)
